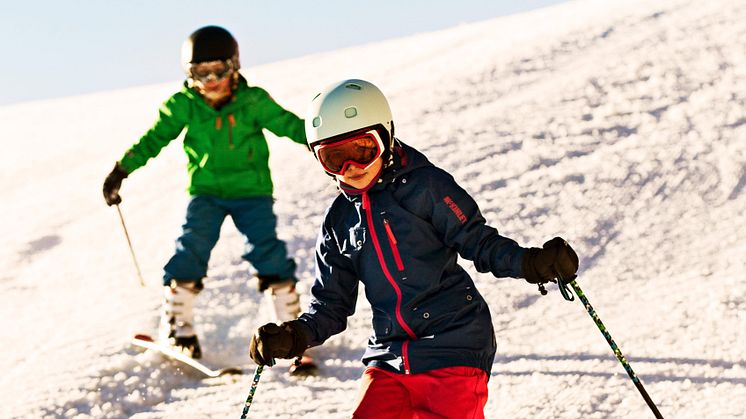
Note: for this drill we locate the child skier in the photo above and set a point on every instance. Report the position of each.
(229, 176)
(398, 226)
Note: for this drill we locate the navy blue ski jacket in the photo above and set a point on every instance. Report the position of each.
(401, 239)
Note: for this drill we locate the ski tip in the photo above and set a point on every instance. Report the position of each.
(146, 338)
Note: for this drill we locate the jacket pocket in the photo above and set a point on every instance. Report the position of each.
(381, 327)
(393, 244)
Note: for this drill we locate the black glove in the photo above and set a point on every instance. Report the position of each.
(272, 341)
(556, 257)
(112, 184)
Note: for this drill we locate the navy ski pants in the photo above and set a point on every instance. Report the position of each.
(253, 217)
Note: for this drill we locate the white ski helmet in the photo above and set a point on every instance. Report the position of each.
(349, 106)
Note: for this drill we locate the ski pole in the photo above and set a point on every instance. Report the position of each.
(132, 251)
(591, 312)
(250, 397)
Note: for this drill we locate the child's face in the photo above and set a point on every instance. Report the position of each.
(214, 90)
(212, 79)
(360, 178)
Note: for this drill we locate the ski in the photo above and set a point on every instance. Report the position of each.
(148, 343)
(303, 366)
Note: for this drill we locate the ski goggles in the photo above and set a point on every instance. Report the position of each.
(360, 150)
(211, 70)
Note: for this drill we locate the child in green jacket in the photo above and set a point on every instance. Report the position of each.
(228, 176)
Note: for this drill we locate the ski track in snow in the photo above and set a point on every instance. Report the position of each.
(618, 125)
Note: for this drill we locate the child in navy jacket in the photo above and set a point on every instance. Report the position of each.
(398, 227)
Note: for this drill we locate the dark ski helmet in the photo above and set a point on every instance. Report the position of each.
(210, 43)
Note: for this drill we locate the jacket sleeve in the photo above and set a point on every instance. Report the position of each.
(172, 118)
(334, 292)
(277, 119)
(456, 216)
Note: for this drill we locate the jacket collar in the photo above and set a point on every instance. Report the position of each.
(404, 160)
(239, 97)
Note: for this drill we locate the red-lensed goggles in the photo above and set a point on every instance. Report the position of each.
(360, 150)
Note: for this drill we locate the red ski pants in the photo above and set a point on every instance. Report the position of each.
(454, 392)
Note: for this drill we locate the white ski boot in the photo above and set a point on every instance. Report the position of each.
(176, 327)
(285, 301)
(286, 304)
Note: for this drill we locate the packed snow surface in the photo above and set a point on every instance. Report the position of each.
(619, 125)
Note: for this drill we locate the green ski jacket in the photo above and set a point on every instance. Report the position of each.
(227, 152)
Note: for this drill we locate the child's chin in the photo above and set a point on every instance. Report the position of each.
(357, 184)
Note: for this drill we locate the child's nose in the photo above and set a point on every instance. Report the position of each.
(352, 170)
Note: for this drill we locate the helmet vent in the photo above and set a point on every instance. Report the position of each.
(353, 86)
(316, 122)
(351, 112)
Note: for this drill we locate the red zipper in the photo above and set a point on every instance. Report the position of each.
(394, 247)
(390, 278)
(400, 266)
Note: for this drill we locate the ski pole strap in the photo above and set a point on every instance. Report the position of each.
(561, 283)
(254, 383)
(610, 341)
(566, 294)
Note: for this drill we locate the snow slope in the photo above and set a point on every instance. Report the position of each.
(620, 125)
